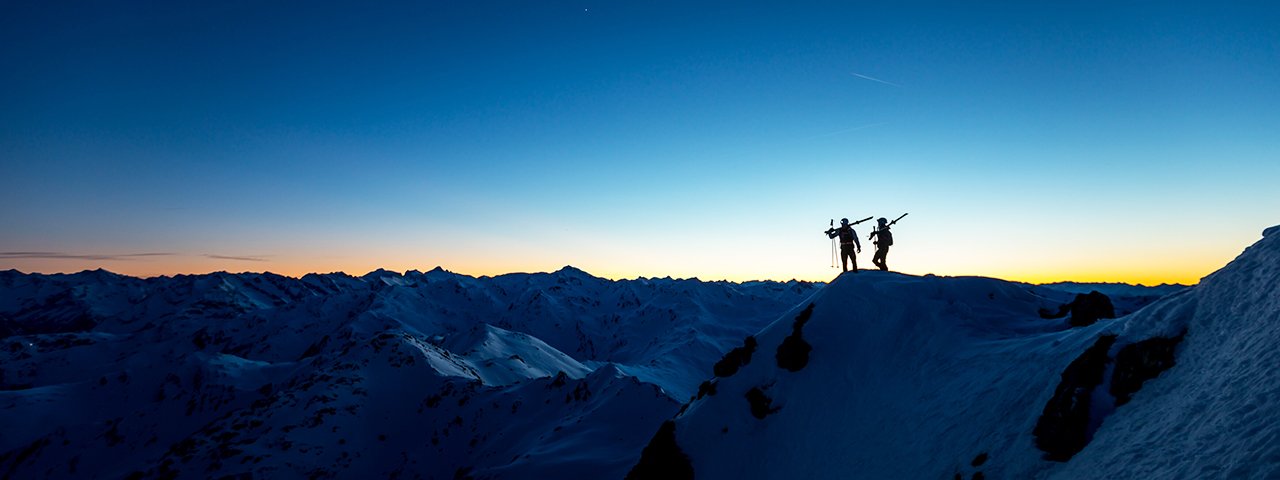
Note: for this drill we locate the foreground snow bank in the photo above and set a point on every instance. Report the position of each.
(933, 377)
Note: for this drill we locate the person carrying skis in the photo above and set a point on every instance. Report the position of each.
(848, 244)
(883, 240)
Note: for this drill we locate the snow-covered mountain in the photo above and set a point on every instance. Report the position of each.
(439, 375)
(883, 375)
(415, 375)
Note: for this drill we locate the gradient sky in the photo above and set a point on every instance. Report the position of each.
(1109, 141)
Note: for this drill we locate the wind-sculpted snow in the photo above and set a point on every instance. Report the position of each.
(1213, 414)
(432, 375)
(937, 377)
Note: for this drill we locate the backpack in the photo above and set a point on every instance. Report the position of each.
(846, 234)
(886, 237)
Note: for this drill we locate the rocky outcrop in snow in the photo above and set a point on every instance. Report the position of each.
(1085, 309)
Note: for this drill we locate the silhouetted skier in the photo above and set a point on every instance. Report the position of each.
(883, 240)
(848, 244)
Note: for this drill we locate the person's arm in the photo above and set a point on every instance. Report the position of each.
(856, 243)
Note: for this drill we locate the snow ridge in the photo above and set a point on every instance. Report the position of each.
(940, 377)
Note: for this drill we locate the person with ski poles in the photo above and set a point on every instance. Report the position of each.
(883, 240)
(849, 244)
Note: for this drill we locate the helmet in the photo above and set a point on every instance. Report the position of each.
(882, 220)
(844, 221)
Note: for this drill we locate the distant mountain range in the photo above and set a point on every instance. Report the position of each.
(433, 375)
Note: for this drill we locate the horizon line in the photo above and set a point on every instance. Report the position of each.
(568, 267)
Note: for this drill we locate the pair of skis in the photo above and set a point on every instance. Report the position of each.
(859, 221)
(832, 226)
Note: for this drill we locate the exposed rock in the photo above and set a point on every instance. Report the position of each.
(707, 387)
(793, 352)
(736, 358)
(761, 404)
(1085, 309)
(1141, 361)
(1063, 428)
(979, 460)
(662, 458)
(559, 380)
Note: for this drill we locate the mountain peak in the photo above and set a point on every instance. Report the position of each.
(439, 273)
(571, 270)
(98, 273)
(381, 273)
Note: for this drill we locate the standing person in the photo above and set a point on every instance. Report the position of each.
(848, 244)
(883, 240)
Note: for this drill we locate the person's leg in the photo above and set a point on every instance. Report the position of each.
(846, 257)
(881, 258)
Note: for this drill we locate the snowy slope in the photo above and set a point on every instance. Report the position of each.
(501, 357)
(883, 375)
(1217, 413)
(430, 374)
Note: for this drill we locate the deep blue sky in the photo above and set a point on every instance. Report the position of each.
(1106, 141)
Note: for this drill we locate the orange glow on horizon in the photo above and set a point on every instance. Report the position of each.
(704, 258)
(1130, 274)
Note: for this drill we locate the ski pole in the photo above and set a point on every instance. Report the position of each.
(832, 224)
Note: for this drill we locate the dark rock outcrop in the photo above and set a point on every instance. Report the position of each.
(761, 404)
(1141, 361)
(707, 387)
(979, 460)
(1085, 309)
(662, 458)
(1063, 428)
(736, 358)
(793, 352)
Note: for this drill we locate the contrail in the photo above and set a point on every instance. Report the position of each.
(874, 79)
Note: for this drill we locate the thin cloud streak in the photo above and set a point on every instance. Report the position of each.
(121, 256)
(82, 256)
(235, 257)
(874, 79)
